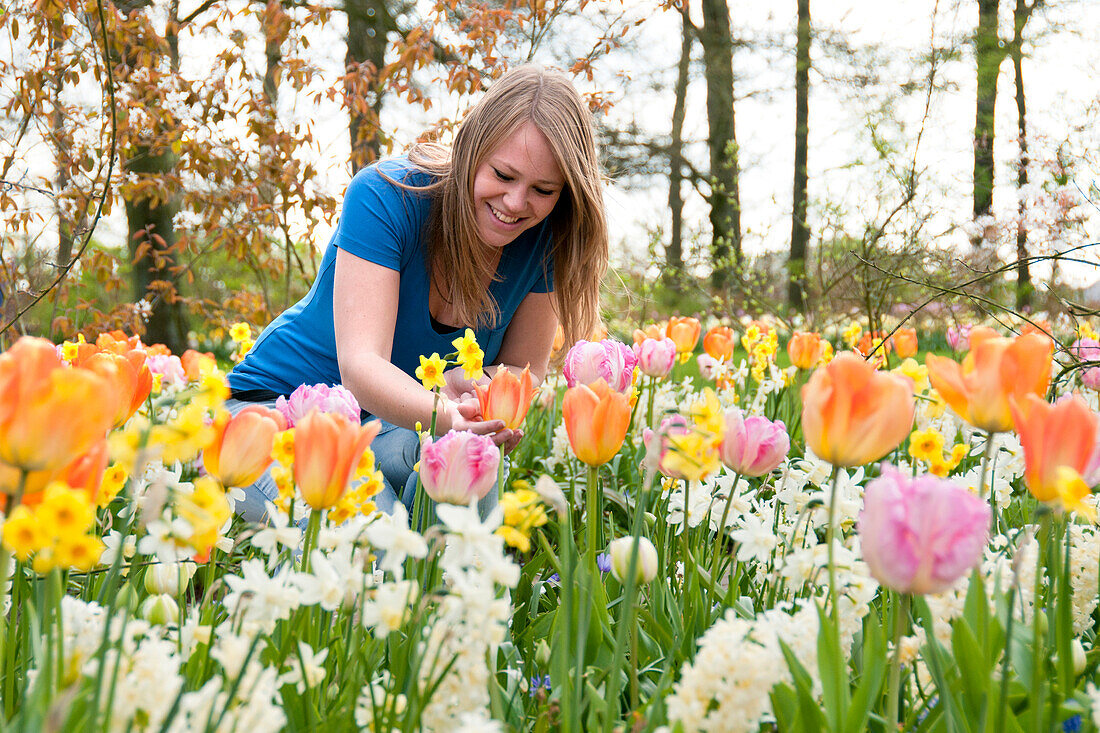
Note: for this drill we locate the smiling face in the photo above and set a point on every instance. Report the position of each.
(516, 186)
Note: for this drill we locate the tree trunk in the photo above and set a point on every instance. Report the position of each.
(725, 208)
(62, 147)
(674, 254)
(989, 54)
(800, 228)
(149, 212)
(1024, 288)
(368, 22)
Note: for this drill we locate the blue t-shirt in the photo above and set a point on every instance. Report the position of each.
(384, 224)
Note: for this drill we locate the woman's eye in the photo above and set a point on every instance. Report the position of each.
(543, 192)
(502, 176)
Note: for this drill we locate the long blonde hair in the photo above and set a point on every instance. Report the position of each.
(548, 99)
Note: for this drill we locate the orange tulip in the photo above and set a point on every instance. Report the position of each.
(49, 413)
(805, 349)
(194, 362)
(1058, 436)
(84, 474)
(1040, 327)
(652, 331)
(507, 397)
(327, 449)
(684, 332)
(905, 342)
(117, 342)
(596, 420)
(852, 414)
(877, 341)
(241, 449)
(720, 342)
(994, 370)
(129, 377)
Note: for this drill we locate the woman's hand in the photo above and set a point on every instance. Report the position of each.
(458, 387)
(465, 414)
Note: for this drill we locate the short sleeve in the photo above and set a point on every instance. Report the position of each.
(380, 219)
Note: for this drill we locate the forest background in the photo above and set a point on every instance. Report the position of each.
(173, 166)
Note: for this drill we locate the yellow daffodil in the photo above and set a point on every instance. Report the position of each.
(22, 534)
(430, 372)
(470, 356)
(926, 445)
(240, 332)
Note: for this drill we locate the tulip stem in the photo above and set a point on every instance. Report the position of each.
(720, 545)
(5, 560)
(830, 530)
(595, 514)
(893, 693)
(312, 529)
(652, 383)
(987, 457)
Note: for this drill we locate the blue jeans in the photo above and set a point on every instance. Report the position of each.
(396, 451)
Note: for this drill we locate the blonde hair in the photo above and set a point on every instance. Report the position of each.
(547, 99)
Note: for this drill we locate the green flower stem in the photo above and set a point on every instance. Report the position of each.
(893, 693)
(628, 615)
(830, 530)
(652, 388)
(5, 560)
(312, 529)
(987, 457)
(720, 544)
(1037, 658)
(1002, 701)
(595, 515)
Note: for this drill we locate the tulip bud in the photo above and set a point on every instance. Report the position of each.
(160, 610)
(656, 357)
(542, 653)
(320, 396)
(754, 445)
(920, 535)
(459, 467)
(1078, 653)
(608, 360)
(126, 597)
(620, 551)
(169, 578)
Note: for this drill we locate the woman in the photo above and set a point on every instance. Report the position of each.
(503, 232)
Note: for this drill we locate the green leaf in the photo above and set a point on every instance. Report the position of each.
(872, 676)
(832, 667)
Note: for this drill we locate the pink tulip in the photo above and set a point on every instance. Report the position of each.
(920, 535)
(657, 444)
(608, 360)
(1091, 378)
(320, 396)
(1086, 349)
(708, 366)
(958, 337)
(459, 467)
(168, 366)
(656, 356)
(754, 445)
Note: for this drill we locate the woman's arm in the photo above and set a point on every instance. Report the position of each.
(364, 312)
(530, 336)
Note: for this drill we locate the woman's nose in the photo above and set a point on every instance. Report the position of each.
(515, 198)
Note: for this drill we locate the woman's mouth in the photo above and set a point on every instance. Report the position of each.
(502, 217)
